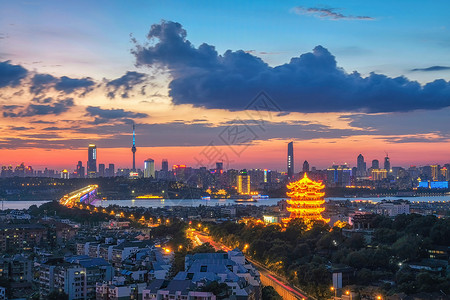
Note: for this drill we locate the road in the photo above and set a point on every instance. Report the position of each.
(285, 289)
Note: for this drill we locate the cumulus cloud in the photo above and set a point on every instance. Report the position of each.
(41, 83)
(68, 85)
(125, 84)
(431, 69)
(35, 108)
(11, 75)
(327, 13)
(311, 82)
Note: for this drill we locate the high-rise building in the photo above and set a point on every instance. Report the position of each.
(101, 170)
(445, 174)
(339, 176)
(149, 168)
(267, 176)
(305, 166)
(375, 164)
(378, 174)
(219, 167)
(165, 165)
(133, 149)
(387, 164)
(92, 161)
(243, 183)
(290, 160)
(435, 172)
(360, 166)
(80, 170)
(111, 170)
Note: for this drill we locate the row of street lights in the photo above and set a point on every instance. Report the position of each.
(349, 294)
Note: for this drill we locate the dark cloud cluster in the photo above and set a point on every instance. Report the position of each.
(125, 84)
(37, 108)
(107, 115)
(43, 82)
(311, 82)
(11, 75)
(327, 13)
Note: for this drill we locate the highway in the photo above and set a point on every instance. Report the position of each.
(285, 289)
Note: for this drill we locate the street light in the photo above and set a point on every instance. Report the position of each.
(335, 291)
(348, 293)
(379, 297)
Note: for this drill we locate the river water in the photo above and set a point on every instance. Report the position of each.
(197, 202)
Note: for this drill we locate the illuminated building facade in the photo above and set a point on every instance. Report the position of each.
(445, 174)
(64, 174)
(435, 172)
(306, 200)
(378, 174)
(92, 161)
(149, 168)
(290, 160)
(243, 183)
(339, 176)
(181, 172)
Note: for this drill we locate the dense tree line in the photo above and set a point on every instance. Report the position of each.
(305, 257)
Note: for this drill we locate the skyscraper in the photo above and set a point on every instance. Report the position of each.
(360, 166)
(305, 166)
(290, 160)
(243, 183)
(375, 164)
(111, 170)
(101, 170)
(219, 167)
(92, 161)
(149, 168)
(435, 172)
(80, 170)
(165, 165)
(387, 164)
(133, 149)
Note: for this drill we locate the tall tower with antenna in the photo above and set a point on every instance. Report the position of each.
(133, 149)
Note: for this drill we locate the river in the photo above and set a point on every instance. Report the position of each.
(212, 202)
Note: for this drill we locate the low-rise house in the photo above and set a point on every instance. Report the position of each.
(76, 276)
(119, 289)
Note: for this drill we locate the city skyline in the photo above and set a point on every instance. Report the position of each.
(85, 83)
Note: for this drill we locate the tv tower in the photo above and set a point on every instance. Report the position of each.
(133, 149)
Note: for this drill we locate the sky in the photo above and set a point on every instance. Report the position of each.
(233, 81)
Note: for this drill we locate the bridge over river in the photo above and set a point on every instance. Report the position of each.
(84, 195)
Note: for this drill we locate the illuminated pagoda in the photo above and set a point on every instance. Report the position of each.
(306, 200)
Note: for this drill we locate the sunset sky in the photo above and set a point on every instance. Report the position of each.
(224, 80)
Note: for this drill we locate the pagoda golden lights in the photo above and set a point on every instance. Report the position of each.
(306, 200)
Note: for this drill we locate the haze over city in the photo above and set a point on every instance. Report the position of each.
(344, 78)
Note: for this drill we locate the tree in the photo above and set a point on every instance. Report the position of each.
(269, 293)
(221, 290)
